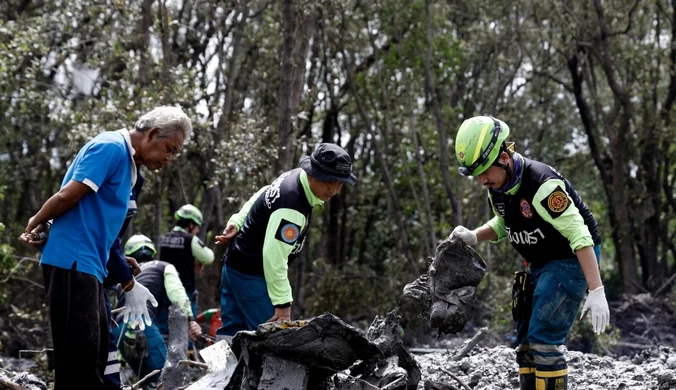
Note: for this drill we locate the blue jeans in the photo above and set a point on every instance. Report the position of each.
(245, 303)
(155, 349)
(559, 288)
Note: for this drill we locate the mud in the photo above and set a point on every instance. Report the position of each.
(640, 344)
(495, 368)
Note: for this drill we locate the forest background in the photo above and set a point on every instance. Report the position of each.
(587, 87)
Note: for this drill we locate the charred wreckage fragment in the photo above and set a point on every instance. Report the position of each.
(446, 292)
(324, 353)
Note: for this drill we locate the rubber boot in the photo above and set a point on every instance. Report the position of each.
(551, 380)
(524, 359)
(527, 378)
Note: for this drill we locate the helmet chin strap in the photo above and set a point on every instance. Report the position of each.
(506, 167)
(508, 171)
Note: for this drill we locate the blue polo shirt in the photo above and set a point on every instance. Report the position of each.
(85, 233)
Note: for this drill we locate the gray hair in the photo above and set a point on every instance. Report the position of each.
(168, 120)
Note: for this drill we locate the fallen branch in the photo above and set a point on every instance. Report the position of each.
(396, 384)
(632, 345)
(639, 286)
(5, 384)
(193, 364)
(463, 384)
(483, 332)
(665, 285)
(145, 378)
(606, 350)
(24, 351)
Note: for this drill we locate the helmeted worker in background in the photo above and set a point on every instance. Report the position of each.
(268, 233)
(547, 222)
(145, 350)
(181, 247)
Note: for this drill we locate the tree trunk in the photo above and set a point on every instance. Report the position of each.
(144, 42)
(295, 46)
(387, 181)
(612, 176)
(232, 74)
(426, 237)
(436, 110)
(421, 169)
(284, 125)
(167, 55)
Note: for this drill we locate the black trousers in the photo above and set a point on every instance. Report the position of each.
(77, 314)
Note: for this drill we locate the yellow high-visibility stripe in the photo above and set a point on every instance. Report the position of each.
(526, 370)
(551, 374)
(484, 130)
(540, 384)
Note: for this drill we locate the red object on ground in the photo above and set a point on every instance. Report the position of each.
(213, 317)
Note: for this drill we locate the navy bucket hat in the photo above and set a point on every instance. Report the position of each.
(329, 162)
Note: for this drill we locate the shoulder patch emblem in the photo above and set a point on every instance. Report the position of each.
(556, 203)
(526, 209)
(287, 232)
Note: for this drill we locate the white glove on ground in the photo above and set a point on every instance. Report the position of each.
(467, 236)
(600, 315)
(135, 305)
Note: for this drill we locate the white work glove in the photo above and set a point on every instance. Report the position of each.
(600, 315)
(467, 236)
(135, 305)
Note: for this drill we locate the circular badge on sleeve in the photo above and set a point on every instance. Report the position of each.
(557, 201)
(290, 232)
(526, 209)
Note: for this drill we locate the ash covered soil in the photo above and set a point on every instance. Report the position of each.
(643, 355)
(495, 368)
(640, 356)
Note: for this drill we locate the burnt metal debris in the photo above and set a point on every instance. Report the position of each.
(446, 291)
(174, 374)
(324, 353)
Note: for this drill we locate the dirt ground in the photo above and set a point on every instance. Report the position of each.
(639, 353)
(495, 368)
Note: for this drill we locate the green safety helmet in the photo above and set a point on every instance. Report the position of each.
(138, 242)
(190, 212)
(478, 144)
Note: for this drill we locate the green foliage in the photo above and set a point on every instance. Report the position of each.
(354, 292)
(73, 68)
(492, 304)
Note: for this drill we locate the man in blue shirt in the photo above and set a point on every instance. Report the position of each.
(88, 212)
(121, 270)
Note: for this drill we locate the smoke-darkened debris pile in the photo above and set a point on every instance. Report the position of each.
(445, 293)
(327, 354)
(324, 353)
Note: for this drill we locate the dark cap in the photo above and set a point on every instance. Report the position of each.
(329, 162)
